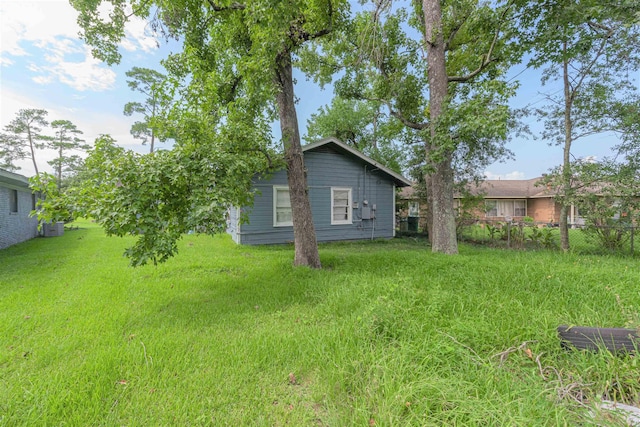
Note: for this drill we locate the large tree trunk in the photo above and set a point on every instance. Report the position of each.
(304, 233)
(444, 224)
(444, 221)
(429, 201)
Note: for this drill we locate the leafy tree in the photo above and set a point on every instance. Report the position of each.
(592, 48)
(65, 140)
(455, 101)
(158, 197)
(605, 194)
(236, 72)
(147, 82)
(53, 205)
(10, 151)
(23, 133)
(467, 55)
(365, 126)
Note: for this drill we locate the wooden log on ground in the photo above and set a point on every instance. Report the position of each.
(616, 340)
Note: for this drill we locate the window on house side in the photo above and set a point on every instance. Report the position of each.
(340, 205)
(13, 201)
(414, 209)
(282, 216)
(519, 208)
(504, 208)
(491, 207)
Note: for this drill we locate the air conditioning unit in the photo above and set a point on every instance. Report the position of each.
(54, 229)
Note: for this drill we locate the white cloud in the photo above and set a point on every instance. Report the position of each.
(39, 22)
(588, 159)
(89, 74)
(50, 26)
(511, 175)
(140, 36)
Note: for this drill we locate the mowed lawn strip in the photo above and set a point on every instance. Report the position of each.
(387, 333)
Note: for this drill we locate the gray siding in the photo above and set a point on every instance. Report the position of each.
(326, 169)
(16, 227)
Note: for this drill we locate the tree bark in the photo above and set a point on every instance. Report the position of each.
(33, 150)
(429, 201)
(443, 226)
(153, 131)
(304, 234)
(566, 161)
(59, 167)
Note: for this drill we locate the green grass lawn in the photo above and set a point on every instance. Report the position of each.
(387, 334)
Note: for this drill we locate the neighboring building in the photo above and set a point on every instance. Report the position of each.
(411, 210)
(504, 199)
(352, 197)
(517, 198)
(16, 202)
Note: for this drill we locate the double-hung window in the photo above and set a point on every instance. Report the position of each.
(519, 208)
(504, 208)
(491, 207)
(281, 207)
(340, 205)
(414, 209)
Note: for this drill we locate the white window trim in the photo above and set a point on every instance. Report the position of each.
(413, 208)
(487, 210)
(275, 213)
(349, 219)
(502, 203)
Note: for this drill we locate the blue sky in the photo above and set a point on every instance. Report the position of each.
(44, 64)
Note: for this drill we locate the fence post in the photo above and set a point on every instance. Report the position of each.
(632, 234)
(509, 235)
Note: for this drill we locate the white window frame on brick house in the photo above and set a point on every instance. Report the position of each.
(491, 208)
(414, 208)
(499, 208)
(282, 207)
(341, 207)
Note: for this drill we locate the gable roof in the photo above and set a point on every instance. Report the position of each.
(340, 146)
(499, 189)
(513, 189)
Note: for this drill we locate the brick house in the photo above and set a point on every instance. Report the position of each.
(516, 199)
(503, 199)
(16, 202)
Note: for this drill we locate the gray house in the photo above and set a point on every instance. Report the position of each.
(352, 197)
(16, 202)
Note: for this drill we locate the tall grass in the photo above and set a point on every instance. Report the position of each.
(387, 333)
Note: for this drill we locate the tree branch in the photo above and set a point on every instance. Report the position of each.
(298, 35)
(587, 70)
(232, 6)
(598, 26)
(134, 11)
(486, 60)
(408, 123)
(454, 31)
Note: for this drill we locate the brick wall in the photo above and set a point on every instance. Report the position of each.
(16, 227)
(544, 210)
